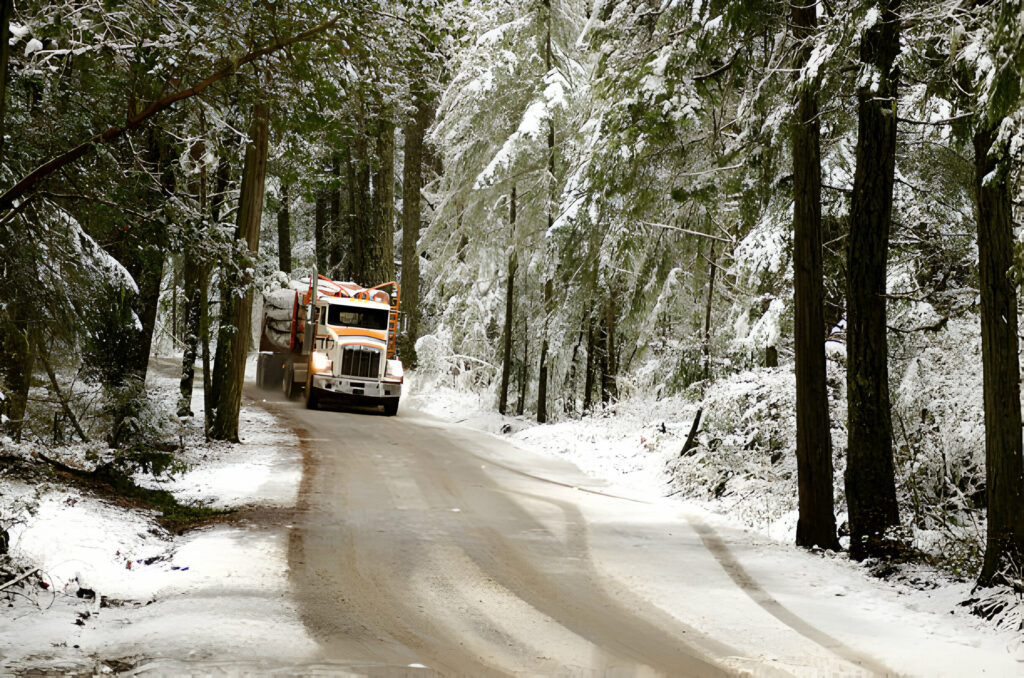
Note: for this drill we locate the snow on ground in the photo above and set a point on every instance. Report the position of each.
(916, 622)
(152, 590)
(147, 591)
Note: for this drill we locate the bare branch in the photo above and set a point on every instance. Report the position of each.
(686, 231)
(944, 121)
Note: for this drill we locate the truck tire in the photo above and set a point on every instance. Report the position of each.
(390, 407)
(312, 394)
(288, 383)
(269, 370)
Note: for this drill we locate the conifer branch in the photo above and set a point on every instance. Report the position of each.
(28, 183)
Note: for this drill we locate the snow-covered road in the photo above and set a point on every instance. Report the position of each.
(419, 543)
(412, 546)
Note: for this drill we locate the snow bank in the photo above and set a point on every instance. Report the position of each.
(117, 584)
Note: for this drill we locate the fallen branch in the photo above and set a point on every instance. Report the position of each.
(935, 123)
(41, 353)
(27, 184)
(18, 579)
(691, 438)
(61, 466)
(933, 327)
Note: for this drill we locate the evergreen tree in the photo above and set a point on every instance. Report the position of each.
(870, 482)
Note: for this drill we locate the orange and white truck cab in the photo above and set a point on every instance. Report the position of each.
(342, 345)
(353, 353)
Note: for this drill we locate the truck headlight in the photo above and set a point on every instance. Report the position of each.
(320, 361)
(393, 371)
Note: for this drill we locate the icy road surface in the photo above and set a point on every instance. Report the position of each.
(422, 544)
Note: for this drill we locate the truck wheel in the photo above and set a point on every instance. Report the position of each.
(288, 383)
(312, 394)
(269, 370)
(272, 370)
(390, 407)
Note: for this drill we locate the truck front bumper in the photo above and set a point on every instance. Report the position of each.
(357, 388)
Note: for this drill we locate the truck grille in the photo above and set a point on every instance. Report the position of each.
(360, 362)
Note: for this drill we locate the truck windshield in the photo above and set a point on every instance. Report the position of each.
(366, 318)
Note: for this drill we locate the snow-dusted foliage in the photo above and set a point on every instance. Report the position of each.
(615, 173)
(671, 130)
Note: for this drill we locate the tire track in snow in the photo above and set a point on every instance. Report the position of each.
(739, 575)
(743, 579)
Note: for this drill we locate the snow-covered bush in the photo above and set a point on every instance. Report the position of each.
(938, 436)
(142, 429)
(745, 454)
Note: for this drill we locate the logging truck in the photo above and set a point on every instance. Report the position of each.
(332, 341)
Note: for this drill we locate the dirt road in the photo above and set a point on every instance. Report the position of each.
(421, 547)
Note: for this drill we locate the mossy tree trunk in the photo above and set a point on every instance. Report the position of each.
(362, 213)
(1004, 549)
(412, 217)
(237, 295)
(336, 226)
(379, 244)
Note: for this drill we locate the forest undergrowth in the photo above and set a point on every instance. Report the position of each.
(162, 446)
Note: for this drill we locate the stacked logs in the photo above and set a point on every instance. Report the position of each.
(279, 312)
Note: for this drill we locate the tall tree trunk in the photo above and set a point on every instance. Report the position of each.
(175, 283)
(816, 525)
(211, 387)
(412, 217)
(321, 232)
(6, 12)
(1004, 465)
(362, 221)
(380, 245)
(195, 271)
(335, 229)
(143, 254)
(148, 273)
(588, 381)
(204, 341)
(15, 348)
(609, 357)
(524, 371)
(510, 307)
(193, 322)
(16, 360)
(236, 318)
(349, 216)
(284, 231)
(870, 480)
(542, 375)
